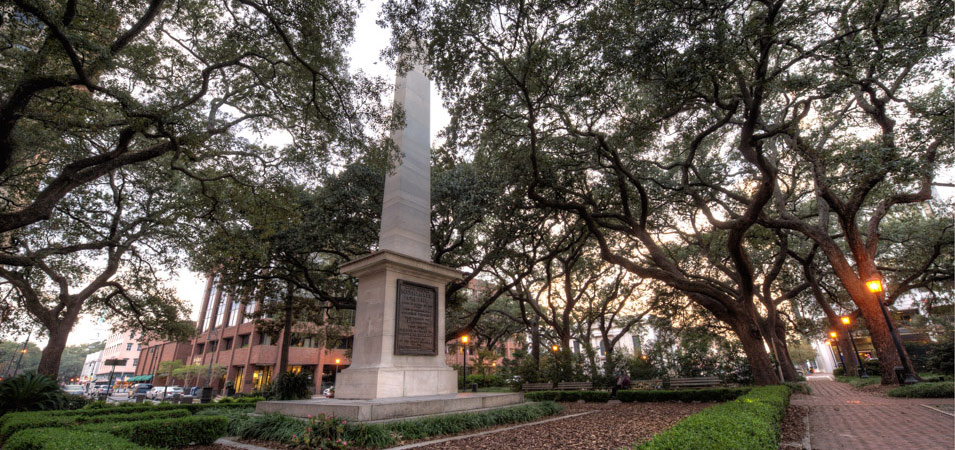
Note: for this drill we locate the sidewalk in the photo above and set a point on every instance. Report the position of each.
(841, 417)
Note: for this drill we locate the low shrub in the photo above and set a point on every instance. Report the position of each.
(838, 372)
(29, 392)
(60, 439)
(374, 435)
(801, 388)
(276, 427)
(251, 399)
(237, 417)
(291, 386)
(70, 401)
(940, 389)
(641, 395)
(752, 421)
(62, 421)
(111, 409)
(490, 380)
(271, 427)
(172, 432)
(324, 432)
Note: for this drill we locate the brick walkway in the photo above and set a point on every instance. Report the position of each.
(841, 417)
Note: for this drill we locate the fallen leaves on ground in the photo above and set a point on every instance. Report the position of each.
(609, 426)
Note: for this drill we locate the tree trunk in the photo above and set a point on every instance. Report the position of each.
(882, 340)
(759, 362)
(286, 334)
(50, 357)
(782, 352)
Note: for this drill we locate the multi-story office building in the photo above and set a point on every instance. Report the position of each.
(90, 366)
(122, 345)
(226, 336)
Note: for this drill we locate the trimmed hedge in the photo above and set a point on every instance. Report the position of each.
(60, 439)
(192, 408)
(16, 424)
(276, 427)
(751, 422)
(174, 432)
(941, 389)
(641, 395)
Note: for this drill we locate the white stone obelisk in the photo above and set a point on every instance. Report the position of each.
(399, 321)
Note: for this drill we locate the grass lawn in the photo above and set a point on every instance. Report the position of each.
(858, 382)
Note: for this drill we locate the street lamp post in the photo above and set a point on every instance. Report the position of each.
(862, 372)
(875, 286)
(464, 340)
(337, 362)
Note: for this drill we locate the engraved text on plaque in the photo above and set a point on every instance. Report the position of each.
(416, 319)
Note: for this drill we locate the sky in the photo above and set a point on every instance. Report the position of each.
(365, 51)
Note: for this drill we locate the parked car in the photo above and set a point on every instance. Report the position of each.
(73, 389)
(172, 390)
(154, 393)
(139, 389)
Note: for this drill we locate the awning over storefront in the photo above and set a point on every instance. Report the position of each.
(140, 378)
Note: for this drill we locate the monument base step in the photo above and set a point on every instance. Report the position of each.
(385, 409)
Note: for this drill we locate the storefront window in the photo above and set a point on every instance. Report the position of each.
(261, 377)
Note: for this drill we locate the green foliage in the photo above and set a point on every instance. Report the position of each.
(450, 424)
(639, 395)
(838, 372)
(237, 417)
(291, 386)
(271, 427)
(799, 387)
(170, 432)
(70, 401)
(250, 399)
(323, 432)
(60, 439)
(490, 380)
(9, 427)
(751, 422)
(9, 354)
(276, 427)
(938, 389)
(858, 382)
(121, 409)
(29, 392)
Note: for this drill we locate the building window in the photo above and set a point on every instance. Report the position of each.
(227, 344)
(220, 311)
(249, 310)
(243, 340)
(344, 343)
(261, 377)
(303, 340)
(199, 348)
(265, 339)
(129, 347)
(212, 346)
(237, 381)
(135, 362)
(234, 310)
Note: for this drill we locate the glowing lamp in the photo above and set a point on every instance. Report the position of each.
(554, 348)
(845, 320)
(338, 361)
(832, 334)
(875, 286)
(464, 339)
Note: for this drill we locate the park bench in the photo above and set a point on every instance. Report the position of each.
(538, 386)
(574, 386)
(697, 382)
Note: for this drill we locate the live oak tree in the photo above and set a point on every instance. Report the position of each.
(152, 78)
(649, 118)
(198, 90)
(102, 251)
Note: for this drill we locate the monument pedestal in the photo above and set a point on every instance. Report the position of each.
(386, 409)
(399, 329)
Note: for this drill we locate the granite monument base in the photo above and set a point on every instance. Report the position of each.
(380, 382)
(395, 408)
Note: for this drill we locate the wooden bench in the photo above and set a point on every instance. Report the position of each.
(574, 386)
(698, 382)
(538, 386)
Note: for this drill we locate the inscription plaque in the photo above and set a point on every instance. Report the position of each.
(416, 319)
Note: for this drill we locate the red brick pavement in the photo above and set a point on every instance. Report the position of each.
(841, 417)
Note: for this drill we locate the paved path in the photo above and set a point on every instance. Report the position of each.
(841, 417)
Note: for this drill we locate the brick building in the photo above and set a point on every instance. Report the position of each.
(226, 336)
(121, 345)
